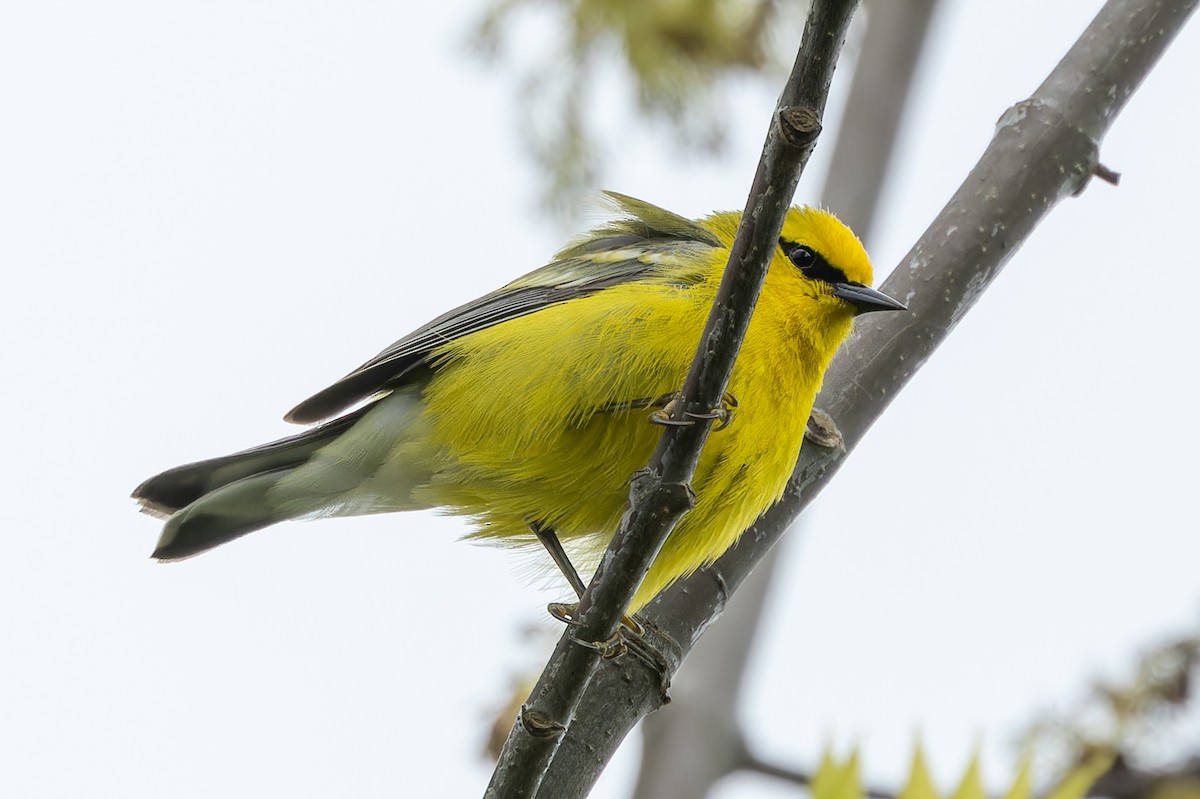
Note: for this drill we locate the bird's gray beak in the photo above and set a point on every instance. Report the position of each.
(866, 299)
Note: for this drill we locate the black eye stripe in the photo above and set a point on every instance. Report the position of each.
(811, 263)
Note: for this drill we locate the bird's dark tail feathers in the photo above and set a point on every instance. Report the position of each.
(214, 501)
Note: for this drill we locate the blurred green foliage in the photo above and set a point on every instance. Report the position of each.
(840, 779)
(678, 56)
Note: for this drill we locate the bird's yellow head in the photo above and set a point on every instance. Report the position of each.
(829, 256)
(825, 255)
(830, 240)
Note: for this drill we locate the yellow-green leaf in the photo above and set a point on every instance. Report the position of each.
(835, 780)
(971, 786)
(920, 784)
(1022, 787)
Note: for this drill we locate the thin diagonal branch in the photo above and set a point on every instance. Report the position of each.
(660, 495)
(686, 751)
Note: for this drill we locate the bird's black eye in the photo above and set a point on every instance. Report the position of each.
(801, 256)
(810, 263)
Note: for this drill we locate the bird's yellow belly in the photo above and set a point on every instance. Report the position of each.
(549, 447)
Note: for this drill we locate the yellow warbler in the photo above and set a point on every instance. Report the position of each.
(528, 409)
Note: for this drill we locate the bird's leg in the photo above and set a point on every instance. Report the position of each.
(661, 401)
(567, 612)
(549, 540)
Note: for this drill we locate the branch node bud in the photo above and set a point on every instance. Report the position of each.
(800, 125)
(539, 726)
(1106, 174)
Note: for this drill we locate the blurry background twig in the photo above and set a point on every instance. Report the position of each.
(678, 63)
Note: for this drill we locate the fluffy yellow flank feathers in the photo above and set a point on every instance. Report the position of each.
(531, 405)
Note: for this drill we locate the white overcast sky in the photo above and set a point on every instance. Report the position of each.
(210, 210)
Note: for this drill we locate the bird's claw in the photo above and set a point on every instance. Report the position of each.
(564, 612)
(615, 646)
(723, 414)
(609, 650)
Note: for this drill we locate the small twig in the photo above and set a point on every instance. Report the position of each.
(1106, 174)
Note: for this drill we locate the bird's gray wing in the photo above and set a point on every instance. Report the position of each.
(648, 240)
